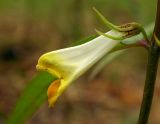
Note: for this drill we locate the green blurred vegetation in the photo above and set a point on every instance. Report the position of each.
(38, 20)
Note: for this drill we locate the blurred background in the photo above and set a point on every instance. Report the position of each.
(29, 28)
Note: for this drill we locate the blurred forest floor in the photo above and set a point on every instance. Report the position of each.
(30, 28)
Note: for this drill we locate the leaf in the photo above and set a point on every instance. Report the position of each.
(31, 99)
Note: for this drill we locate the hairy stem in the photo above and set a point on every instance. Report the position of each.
(151, 73)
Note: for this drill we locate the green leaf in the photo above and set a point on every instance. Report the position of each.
(31, 99)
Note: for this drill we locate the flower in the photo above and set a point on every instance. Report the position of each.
(70, 63)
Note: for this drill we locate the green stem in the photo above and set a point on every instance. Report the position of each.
(149, 84)
(151, 73)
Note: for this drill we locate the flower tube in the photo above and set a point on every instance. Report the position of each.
(70, 63)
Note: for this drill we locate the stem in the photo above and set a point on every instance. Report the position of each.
(149, 84)
(151, 73)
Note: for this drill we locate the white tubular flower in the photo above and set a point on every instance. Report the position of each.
(70, 63)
